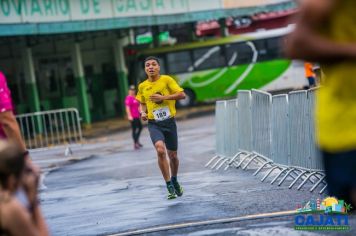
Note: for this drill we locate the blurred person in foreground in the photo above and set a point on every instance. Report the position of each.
(9, 128)
(133, 115)
(157, 96)
(15, 218)
(10, 131)
(325, 32)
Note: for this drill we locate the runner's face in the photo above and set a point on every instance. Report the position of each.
(152, 68)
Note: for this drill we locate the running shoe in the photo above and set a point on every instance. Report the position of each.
(178, 189)
(171, 192)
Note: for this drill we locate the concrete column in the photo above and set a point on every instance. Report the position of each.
(81, 84)
(191, 27)
(30, 77)
(155, 35)
(31, 87)
(131, 36)
(223, 29)
(121, 70)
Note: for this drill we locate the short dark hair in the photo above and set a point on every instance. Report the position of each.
(151, 58)
(12, 161)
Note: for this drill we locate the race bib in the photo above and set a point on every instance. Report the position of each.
(161, 114)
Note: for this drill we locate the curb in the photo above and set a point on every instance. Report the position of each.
(207, 222)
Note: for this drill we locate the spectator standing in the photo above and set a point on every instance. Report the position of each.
(133, 115)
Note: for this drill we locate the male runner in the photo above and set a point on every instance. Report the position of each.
(157, 96)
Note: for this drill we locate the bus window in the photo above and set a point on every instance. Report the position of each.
(261, 49)
(208, 58)
(179, 62)
(238, 53)
(274, 48)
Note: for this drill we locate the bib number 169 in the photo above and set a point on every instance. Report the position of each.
(161, 114)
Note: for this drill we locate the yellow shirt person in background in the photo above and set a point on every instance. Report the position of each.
(326, 33)
(157, 96)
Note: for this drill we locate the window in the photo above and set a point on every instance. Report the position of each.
(238, 53)
(109, 76)
(208, 58)
(261, 49)
(269, 49)
(274, 48)
(179, 62)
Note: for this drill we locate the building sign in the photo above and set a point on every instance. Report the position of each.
(33, 11)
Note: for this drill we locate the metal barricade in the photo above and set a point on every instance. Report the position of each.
(231, 129)
(219, 127)
(244, 125)
(317, 163)
(299, 129)
(277, 132)
(261, 122)
(50, 128)
(280, 130)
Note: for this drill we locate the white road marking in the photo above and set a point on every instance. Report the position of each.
(207, 222)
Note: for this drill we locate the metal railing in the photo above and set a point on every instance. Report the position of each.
(276, 133)
(50, 128)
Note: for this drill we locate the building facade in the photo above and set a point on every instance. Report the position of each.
(60, 53)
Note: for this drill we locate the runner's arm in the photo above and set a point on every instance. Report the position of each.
(143, 111)
(12, 129)
(175, 96)
(39, 220)
(18, 221)
(12, 132)
(306, 43)
(129, 116)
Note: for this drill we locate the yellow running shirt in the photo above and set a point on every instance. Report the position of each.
(165, 85)
(336, 101)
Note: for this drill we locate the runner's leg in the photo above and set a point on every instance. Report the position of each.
(162, 160)
(173, 161)
(139, 126)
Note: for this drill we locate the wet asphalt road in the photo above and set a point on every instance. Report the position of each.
(118, 189)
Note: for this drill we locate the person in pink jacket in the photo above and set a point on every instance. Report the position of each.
(133, 115)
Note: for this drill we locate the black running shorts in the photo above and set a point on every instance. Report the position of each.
(165, 131)
(340, 170)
